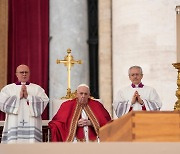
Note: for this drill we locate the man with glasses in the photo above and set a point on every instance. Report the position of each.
(23, 102)
(137, 96)
(79, 119)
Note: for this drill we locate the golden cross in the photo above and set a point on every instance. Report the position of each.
(69, 62)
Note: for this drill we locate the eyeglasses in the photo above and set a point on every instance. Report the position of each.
(23, 72)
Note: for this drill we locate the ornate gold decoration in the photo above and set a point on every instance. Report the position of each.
(177, 104)
(69, 62)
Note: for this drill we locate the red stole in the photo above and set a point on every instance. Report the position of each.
(64, 124)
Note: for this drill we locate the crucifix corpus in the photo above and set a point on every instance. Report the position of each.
(69, 62)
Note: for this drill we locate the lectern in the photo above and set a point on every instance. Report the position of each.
(143, 126)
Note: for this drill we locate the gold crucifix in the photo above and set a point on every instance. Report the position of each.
(69, 62)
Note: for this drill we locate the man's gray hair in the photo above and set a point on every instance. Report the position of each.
(138, 67)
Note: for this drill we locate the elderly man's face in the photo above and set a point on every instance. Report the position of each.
(23, 73)
(83, 94)
(135, 75)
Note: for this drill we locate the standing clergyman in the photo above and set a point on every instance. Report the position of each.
(23, 102)
(137, 96)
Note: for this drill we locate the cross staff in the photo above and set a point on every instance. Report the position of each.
(69, 62)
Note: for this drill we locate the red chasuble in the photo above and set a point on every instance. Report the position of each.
(64, 124)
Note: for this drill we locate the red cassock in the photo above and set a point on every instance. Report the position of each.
(64, 127)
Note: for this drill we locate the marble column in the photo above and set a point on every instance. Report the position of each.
(68, 29)
(105, 53)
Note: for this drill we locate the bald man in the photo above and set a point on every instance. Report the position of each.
(23, 102)
(79, 120)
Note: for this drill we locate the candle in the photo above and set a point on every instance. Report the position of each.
(178, 33)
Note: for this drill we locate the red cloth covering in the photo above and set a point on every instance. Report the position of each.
(64, 127)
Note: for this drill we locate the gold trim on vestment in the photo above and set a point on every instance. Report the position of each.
(74, 122)
(92, 118)
(75, 118)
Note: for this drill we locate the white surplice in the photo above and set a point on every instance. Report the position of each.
(23, 123)
(122, 101)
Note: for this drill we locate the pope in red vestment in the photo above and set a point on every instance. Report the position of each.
(68, 122)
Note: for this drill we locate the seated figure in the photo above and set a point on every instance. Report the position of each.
(79, 119)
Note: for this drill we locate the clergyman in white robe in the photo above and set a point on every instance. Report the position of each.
(23, 123)
(136, 97)
(122, 102)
